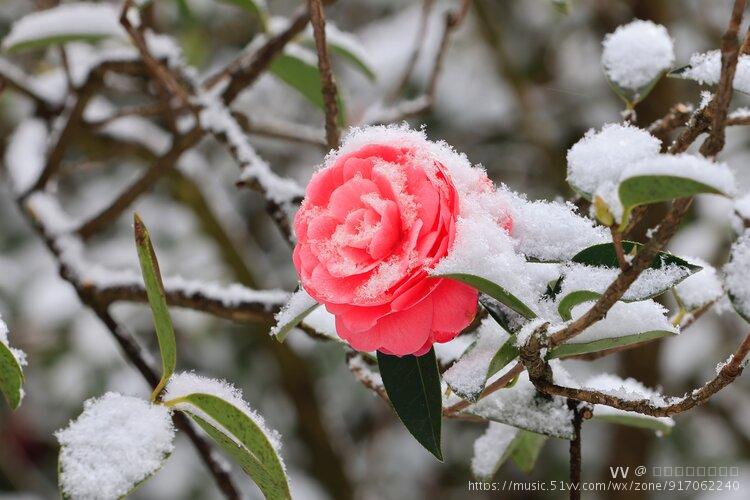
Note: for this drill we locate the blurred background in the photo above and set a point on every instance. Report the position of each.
(522, 82)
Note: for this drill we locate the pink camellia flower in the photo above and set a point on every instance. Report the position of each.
(374, 221)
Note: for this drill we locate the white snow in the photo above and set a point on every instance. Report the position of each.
(25, 155)
(114, 444)
(637, 53)
(521, 406)
(596, 161)
(490, 449)
(624, 318)
(737, 274)
(79, 18)
(741, 215)
(705, 68)
(298, 304)
(525, 333)
(186, 383)
(702, 287)
(468, 375)
(214, 116)
(551, 231)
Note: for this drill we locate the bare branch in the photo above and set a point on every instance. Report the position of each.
(327, 80)
(720, 104)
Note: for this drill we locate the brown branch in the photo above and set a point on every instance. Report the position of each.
(720, 102)
(165, 80)
(327, 80)
(237, 310)
(416, 49)
(575, 451)
(617, 243)
(141, 185)
(726, 376)
(678, 116)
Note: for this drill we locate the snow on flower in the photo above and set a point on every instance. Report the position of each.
(637, 53)
(376, 219)
(117, 442)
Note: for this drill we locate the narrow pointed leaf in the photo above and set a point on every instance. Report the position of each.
(493, 290)
(507, 353)
(661, 425)
(504, 316)
(647, 189)
(571, 300)
(570, 349)
(237, 434)
(413, 386)
(158, 302)
(299, 70)
(11, 377)
(525, 449)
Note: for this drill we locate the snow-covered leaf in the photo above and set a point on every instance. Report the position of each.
(705, 68)
(523, 407)
(492, 449)
(629, 389)
(116, 444)
(468, 376)
(648, 189)
(525, 449)
(493, 290)
(633, 419)
(80, 21)
(300, 305)
(566, 350)
(635, 56)
(158, 302)
(701, 288)
(220, 410)
(737, 276)
(298, 68)
(413, 386)
(625, 323)
(604, 255)
(666, 177)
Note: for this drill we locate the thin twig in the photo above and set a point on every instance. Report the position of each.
(575, 451)
(327, 81)
(416, 49)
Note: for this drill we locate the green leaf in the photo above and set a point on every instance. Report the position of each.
(507, 318)
(342, 45)
(633, 419)
(493, 290)
(44, 42)
(237, 434)
(647, 189)
(604, 255)
(413, 386)
(282, 329)
(574, 349)
(301, 73)
(525, 449)
(507, 353)
(573, 299)
(158, 302)
(633, 97)
(257, 9)
(11, 376)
